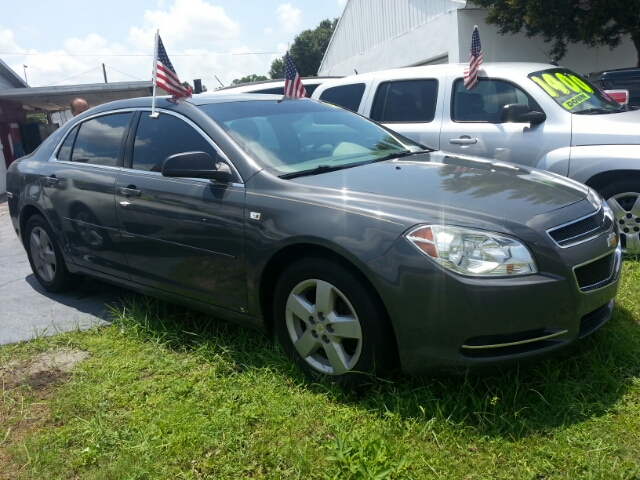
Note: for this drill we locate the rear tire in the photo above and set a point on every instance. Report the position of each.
(331, 324)
(623, 198)
(45, 257)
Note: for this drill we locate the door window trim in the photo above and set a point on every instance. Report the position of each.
(400, 80)
(129, 161)
(534, 104)
(76, 128)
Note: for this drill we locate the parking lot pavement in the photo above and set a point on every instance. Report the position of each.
(27, 311)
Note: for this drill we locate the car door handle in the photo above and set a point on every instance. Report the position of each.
(51, 180)
(463, 141)
(130, 191)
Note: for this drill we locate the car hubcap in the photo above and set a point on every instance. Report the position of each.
(44, 258)
(324, 327)
(626, 208)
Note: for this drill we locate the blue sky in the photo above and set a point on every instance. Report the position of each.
(66, 38)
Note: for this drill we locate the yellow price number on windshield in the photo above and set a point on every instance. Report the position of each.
(562, 84)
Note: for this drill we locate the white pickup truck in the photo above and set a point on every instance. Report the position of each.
(531, 114)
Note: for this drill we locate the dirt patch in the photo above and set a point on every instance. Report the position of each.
(27, 386)
(40, 372)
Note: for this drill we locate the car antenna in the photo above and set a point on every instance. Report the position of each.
(219, 80)
(355, 71)
(552, 61)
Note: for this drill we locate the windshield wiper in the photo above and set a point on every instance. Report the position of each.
(318, 170)
(594, 111)
(332, 168)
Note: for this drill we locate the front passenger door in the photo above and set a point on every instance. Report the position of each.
(181, 235)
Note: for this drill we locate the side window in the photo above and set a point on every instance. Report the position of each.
(346, 96)
(405, 101)
(64, 154)
(485, 101)
(158, 138)
(99, 141)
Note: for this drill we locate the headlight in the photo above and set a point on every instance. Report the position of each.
(473, 252)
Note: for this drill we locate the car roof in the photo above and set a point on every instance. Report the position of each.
(251, 86)
(496, 69)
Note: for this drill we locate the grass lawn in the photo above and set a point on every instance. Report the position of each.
(170, 393)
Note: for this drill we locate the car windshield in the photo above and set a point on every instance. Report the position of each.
(574, 93)
(294, 136)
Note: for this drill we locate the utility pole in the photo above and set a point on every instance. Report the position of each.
(104, 72)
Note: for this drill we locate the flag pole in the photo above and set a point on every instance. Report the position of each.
(154, 114)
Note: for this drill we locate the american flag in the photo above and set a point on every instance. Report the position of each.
(166, 76)
(475, 60)
(293, 87)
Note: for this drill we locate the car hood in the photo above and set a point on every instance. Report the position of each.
(605, 129)
(460, 188)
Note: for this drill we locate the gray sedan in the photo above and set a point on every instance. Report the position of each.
(347, 240)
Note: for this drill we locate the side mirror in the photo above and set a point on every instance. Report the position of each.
(196, 165)
(519, 113)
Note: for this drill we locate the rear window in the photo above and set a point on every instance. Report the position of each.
(405, 101)
(345, 96)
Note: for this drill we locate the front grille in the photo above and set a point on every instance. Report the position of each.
(596, 274)
(580, 230)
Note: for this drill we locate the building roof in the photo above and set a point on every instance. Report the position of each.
(12, 77)
(53, 99)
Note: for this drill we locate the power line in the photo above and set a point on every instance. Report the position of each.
(111, 68)
(60, 81)
(140, 54)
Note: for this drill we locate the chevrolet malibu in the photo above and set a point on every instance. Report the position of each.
(360, 249)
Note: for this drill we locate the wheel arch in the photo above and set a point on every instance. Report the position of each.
(604, 179)
(293, 253)
(26, 213)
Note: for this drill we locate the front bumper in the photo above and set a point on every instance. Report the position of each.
(448, 322)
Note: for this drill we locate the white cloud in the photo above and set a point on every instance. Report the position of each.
(342, 3)
(187, 22)
(201, 41)
(290, 17)
(268, 31)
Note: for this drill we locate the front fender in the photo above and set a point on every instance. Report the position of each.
(588, 161)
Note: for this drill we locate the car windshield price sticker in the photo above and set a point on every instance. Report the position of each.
(566, 88)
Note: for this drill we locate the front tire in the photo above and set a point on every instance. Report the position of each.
(623, 198)
(331, 324)
(46, 258)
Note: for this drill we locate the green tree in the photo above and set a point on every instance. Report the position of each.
(277, 68)
(249, 78)
(307, 50)
(593, 22)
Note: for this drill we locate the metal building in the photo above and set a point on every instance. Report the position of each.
(381, 34)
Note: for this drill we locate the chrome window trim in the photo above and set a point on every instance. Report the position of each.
(56, 150)
(201, 132)
(199, 180)
(615, 273)
(588, 239)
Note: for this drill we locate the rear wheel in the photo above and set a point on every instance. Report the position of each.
(623, 198)
(46, 258)
(330, 324)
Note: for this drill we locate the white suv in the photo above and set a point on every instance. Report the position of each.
(532, 114)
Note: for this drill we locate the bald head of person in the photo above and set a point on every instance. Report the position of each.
(78, 105)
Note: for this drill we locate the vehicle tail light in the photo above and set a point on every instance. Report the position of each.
(620, 96)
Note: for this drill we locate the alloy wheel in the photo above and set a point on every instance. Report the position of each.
(324, 327)
(43, 255)
(626, 209)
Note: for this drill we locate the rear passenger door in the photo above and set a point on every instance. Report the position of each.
(412, 107)
(79, 186)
